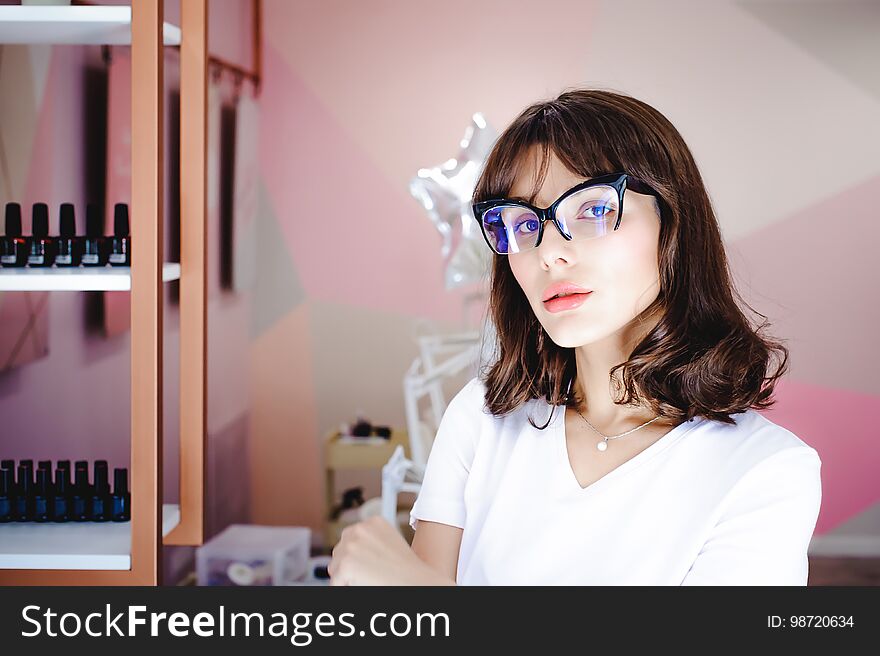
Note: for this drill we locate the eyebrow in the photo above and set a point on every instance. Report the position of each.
(636, 184)
(532, 200)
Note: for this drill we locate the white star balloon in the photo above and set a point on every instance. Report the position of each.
(445, 191)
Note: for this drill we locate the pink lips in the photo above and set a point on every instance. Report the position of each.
(563, 287)
(566, 302)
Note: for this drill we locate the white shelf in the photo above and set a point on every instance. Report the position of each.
(75, 279)
(73, 545)
(76, 25)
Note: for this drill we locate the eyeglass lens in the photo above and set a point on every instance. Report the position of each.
(586, 214)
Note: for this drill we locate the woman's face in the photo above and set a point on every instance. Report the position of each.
(621, 267)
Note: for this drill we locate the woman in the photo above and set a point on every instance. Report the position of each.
(614, 439)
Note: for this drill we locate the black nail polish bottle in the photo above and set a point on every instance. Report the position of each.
(101, 493)
(61, 501)
(28, 464)
(94, 249)
(13, 246)
(7, 496)
(42, 246)
(42, 495)
(121, 496)
(69, 246)
(80, 500)
(24, 500)
(120, 244)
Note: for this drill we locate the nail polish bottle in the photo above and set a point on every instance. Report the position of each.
(69, 246)
(61, 500)
(121, 506)
(42, 246)
(82, 493)
(42, 495)
(7, 496)
(24, 500)
(28, 465)
(44, 464)
(13, 246)
(101, 493)
(65, 464)
(7, 464)
(94, 251)
(120, 244)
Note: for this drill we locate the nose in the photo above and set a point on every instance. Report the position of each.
(553, 245)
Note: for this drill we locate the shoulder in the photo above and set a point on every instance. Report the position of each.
(463, 417)
(468, 414)
(752, 439)
(757, 454)
(469, 402)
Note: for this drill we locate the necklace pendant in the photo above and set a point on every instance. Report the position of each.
(602, 445)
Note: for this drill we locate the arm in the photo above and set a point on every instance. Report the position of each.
(437, 545)
(439, 513)
(764, 530)
(373, 552)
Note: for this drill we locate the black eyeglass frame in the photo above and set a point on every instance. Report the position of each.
(618, 181)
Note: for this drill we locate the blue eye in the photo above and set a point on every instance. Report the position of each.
(531, 225)
(607, 209)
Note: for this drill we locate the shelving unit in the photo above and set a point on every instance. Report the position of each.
(130, 553)
(74, 279)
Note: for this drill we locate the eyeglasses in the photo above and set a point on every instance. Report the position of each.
(583, 212)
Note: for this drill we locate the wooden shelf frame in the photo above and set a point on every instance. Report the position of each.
(147, 231)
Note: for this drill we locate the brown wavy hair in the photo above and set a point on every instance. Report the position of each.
(703, 356)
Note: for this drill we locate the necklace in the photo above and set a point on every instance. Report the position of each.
(604, 443)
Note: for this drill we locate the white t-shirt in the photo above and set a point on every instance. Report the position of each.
(707, 504)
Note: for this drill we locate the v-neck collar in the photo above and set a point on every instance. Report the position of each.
(571, 482)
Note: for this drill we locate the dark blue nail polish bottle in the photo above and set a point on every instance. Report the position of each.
(121, 511)
(101, 493)
(42, 495)
(61, 500)
(24, 500)
(7, 495)
(80, 500)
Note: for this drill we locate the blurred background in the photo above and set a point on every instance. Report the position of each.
(312, 325)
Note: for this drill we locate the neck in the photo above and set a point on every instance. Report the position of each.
(595, 389)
